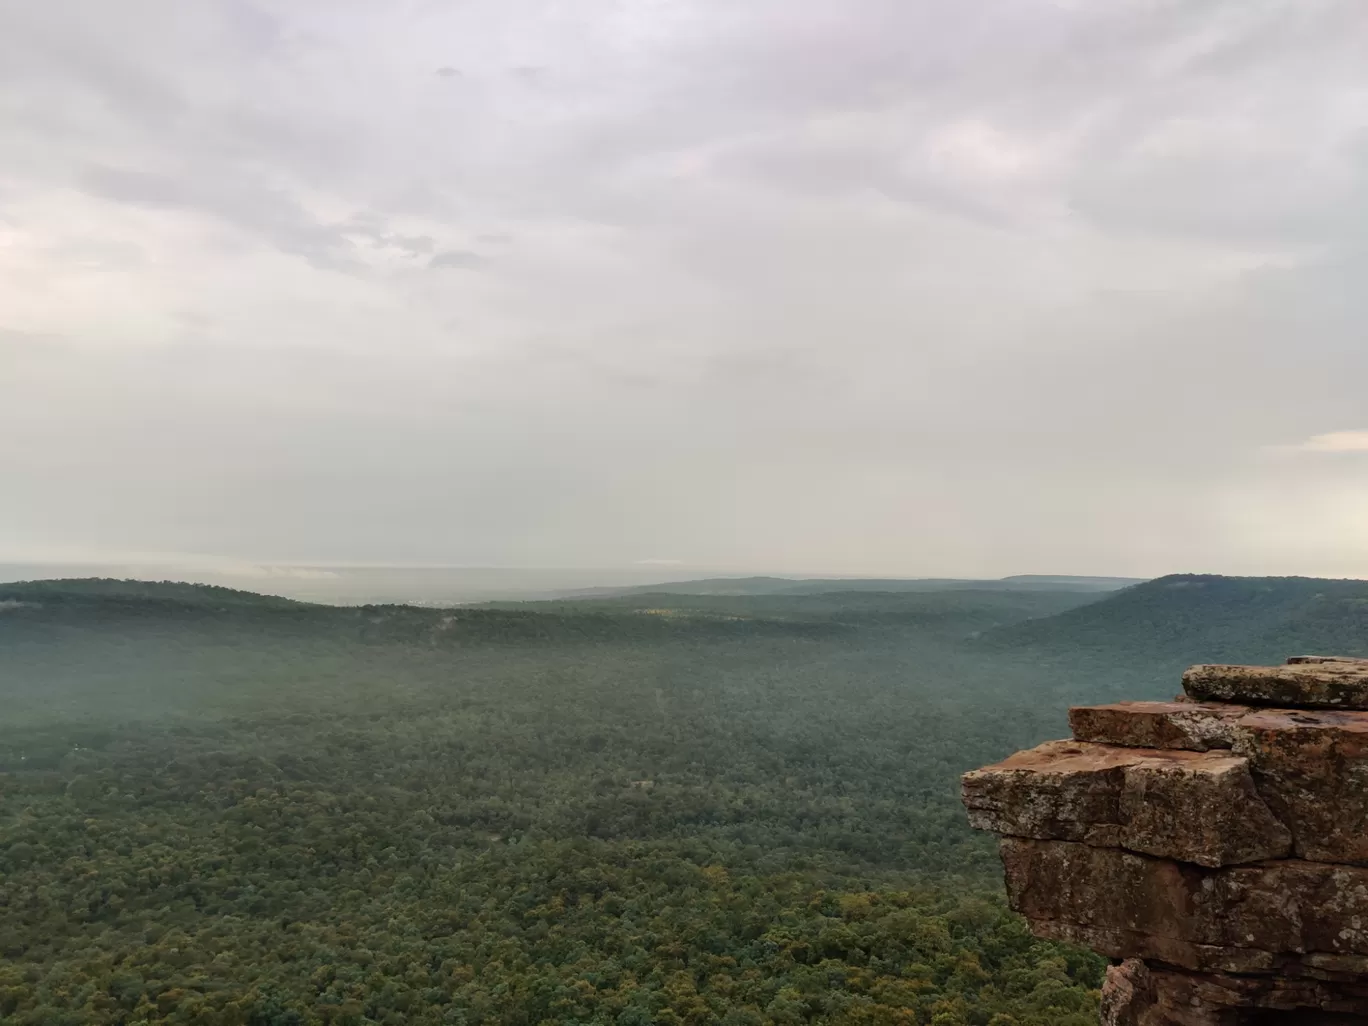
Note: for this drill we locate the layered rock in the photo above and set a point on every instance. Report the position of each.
(1305, 682)
(1197, 807)
(1216, 846)
(1137, 994)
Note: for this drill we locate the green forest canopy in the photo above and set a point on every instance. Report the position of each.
(224, 808)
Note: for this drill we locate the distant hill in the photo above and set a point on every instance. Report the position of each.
(1069, 582)
(106, 590)
(826, 585)
(643, 614)
(956, 613)
(1153, 627)
(50, 611)
(452, 586)
(100, 649)
(1189, 618)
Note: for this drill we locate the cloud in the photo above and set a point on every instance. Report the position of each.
(288, 572)
(243, 201)
(458, 258)
(793, 285)
(375, 230)
(1335, 442)
(413, 245)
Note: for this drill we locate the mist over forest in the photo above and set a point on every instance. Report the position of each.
(684, 806)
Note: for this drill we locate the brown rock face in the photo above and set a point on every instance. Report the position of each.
(1061, 790)
(1128, 994)
(1310, 767)
(1235, 918)
(1192, 806)
(1309, 682)
(1218, 846)
(1190, 726)
(1137, 995)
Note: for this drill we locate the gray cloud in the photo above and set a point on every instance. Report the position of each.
(413, 245)
(272, 213)
(874, 286)
(457, 258)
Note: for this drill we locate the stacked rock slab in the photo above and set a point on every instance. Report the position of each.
(1214, 847)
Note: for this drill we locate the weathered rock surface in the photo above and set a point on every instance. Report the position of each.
(1061, 790)
(1192, 726)
(1197, 807)
(1311, 682)
(1312, 769)
(1137, 995)
(1309, 766)
(1236, 919)
(1217, 844)
(1128, 997)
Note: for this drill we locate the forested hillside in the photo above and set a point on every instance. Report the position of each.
(756, 586)
(1186, 618)
(225, 809)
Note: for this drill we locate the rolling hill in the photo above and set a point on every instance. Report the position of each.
(830, 585)
(954, 613)
(1189, 618)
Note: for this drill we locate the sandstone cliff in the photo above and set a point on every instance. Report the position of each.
(1215, 847)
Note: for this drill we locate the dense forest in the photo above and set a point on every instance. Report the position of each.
(223, 808)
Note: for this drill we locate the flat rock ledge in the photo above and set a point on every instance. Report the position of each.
(1305, 682)
(1214, 847)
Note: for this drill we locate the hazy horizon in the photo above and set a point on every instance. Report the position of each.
(873, 288)
(350, 585)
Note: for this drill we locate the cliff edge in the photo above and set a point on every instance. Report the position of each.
(1215, 847)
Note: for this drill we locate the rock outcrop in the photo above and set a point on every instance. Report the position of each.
(1215, 847)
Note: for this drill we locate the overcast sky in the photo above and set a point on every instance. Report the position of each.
(905, 287)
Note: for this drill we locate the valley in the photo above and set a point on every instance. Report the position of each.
(653, 807)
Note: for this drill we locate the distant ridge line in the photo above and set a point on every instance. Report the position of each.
(1191, 618)
(769, 585)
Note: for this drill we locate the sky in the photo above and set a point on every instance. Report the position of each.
(887, 287)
